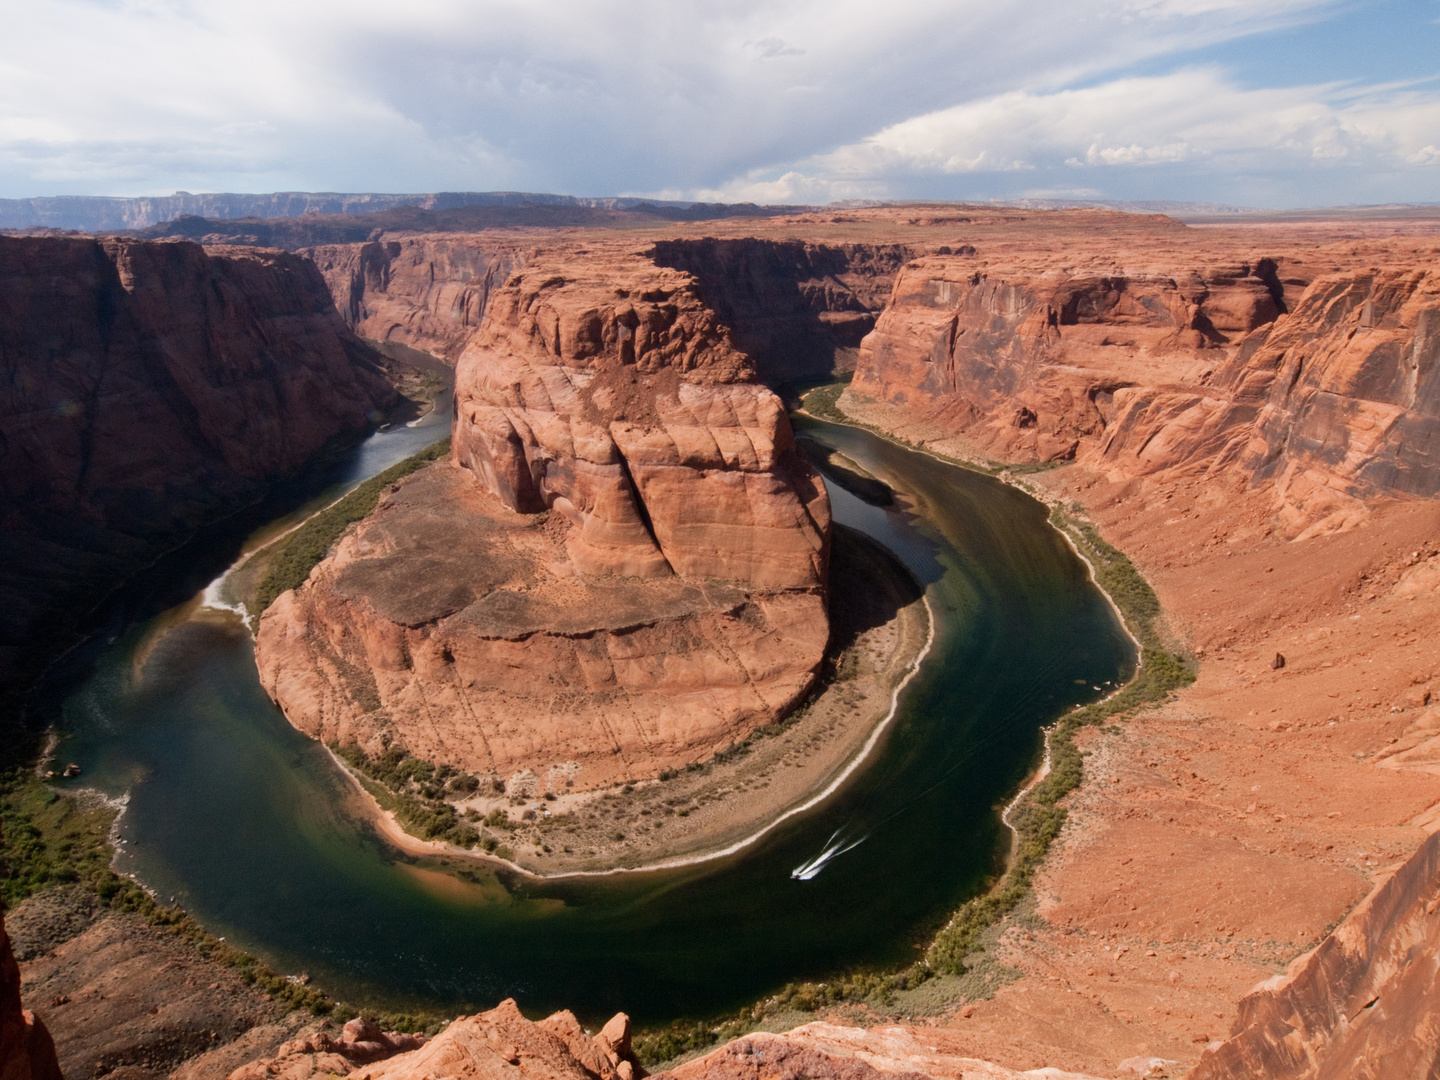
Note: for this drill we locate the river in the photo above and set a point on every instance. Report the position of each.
(246, 823)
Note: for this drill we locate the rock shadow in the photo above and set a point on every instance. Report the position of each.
(868, 587)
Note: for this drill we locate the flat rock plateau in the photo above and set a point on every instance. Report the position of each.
(1247, 882)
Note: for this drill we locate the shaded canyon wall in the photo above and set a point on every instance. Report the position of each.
(148, 389)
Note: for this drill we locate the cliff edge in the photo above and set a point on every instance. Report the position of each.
(149, 388)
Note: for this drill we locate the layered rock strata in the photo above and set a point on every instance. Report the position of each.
(1363, 1004)
(1026, 361)
(1322, 388)
(1335, 403)
(148, 388)
(799, 308)
(427, 292)
(622, 569)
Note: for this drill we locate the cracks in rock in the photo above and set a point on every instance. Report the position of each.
(640, 508)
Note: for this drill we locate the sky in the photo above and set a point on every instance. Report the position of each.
(1271, 103)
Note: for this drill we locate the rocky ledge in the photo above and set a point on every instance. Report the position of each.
(622, 569)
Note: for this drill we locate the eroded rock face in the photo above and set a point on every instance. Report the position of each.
(360, 1042)
(1365, 1003)
(1026, 362)
(502, 1043)
(149, 387)
(26, 1050)
(428, 292)
(621, 570)
(800, 309)
(1329, 396)
(464, 632)
(608, 392)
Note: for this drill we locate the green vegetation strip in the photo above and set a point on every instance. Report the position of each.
(1037, 820)
(416, 791)
(52, 840)
(292, 557)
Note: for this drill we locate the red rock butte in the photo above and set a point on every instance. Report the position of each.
(623, 570)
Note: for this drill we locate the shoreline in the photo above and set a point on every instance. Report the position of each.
(395, 834)
(721, 835)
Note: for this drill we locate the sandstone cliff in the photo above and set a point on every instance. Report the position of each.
(623, 569)
(1335, 403)
(26, 1049)
(1362, 1005)
(1188, 365)
(147, 389)
(1026, 362)
(800, 309)
(428, 292)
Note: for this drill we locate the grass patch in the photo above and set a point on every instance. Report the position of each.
(415, 791)
(291, 558)
(824, 403)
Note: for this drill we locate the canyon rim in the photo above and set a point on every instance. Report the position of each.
(622, 568)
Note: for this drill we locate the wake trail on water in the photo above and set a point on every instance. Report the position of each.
(214, 596)
(836, 846)
(846, 839)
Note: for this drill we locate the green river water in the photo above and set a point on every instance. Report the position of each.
(239, 818)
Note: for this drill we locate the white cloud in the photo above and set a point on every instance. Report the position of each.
(1195, 118)
(642, 96)
(745, 99)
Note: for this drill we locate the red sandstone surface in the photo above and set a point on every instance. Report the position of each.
(622, 571)
(1261, 467)
(427, 292)
(26, 1050)
(1269, 476)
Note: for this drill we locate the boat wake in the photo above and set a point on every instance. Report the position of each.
(836, 846)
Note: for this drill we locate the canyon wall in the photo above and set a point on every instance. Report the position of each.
(26, 1049)
(149, 388)
(800, 309)
(1320, 388)
(1365, 1004)
(427, 292)
(622, 569)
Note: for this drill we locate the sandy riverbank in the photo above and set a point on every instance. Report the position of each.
(880, 629)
